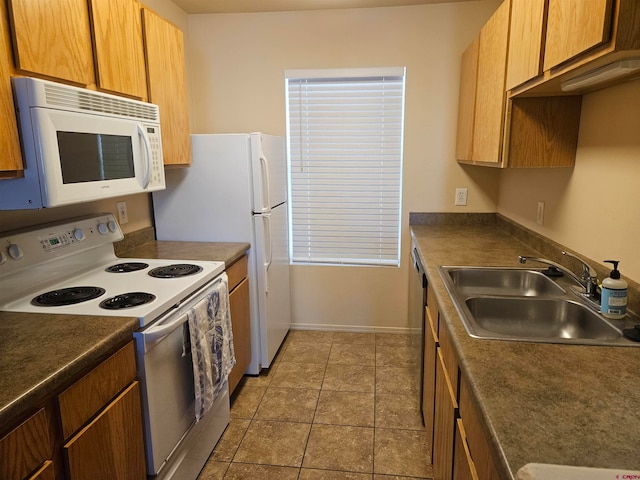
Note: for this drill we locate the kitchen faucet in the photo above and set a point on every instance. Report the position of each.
(588, 280)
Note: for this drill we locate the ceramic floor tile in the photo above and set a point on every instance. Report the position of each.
(307, 353)
(402, 453)
(246, 400)
(397, 477)
(288, 404)
(310, 336)
(345, 408)
(352, 354)
(398, 411)
(213, 470)
(247, 471)
(273, 443)
(394, 356)
(349, 378)
(395, 339)
(336, 447)
(262, 380)
(299, 375)
(353, 338)
(230, 440)
(397, 380)
(309, 474)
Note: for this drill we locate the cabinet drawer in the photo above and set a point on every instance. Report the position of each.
(87, 396)
(25, 448)
(237, 272)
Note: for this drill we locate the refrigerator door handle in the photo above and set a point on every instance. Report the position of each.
(264, 165)
(268, 251)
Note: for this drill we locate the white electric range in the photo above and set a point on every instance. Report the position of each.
(71, 268)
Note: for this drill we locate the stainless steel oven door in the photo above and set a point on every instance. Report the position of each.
(166, 378)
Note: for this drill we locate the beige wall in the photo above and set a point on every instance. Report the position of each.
(138, 206)
(593, 208)
(237, 64)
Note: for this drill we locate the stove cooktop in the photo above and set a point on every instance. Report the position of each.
(71, 268)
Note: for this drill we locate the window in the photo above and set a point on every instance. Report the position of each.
(345, 134)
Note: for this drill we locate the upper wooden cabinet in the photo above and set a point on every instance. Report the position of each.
(117, 33)
(509, 132)
(53, 39)
(575, 26)
(164, 46)
(10, 156)
(490, 90)
(552, 41)
(69, 41)
(526, 41)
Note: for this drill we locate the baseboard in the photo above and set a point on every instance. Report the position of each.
(350, 328)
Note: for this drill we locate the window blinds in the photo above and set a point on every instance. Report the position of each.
(345, 138)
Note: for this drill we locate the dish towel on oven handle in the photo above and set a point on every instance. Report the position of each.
(211, 340)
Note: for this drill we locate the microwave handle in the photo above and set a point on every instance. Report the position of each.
(147, 148)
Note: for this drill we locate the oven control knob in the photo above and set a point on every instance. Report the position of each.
(111, 224)
(78, 234)
(102, 228)
(3, 258)
(15, 251)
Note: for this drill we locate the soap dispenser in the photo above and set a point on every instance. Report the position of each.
(613, 303)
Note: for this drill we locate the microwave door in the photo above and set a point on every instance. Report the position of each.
(89, 157)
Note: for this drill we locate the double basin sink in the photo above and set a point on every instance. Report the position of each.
(521, 304)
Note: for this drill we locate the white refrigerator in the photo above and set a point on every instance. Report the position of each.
(236, 191)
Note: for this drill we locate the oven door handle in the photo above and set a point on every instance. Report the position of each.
(156, 333)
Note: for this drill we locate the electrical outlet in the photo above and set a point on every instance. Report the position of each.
(461, 196)
(122, 212)
(540, 213)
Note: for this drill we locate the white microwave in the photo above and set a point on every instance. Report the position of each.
(80, 145)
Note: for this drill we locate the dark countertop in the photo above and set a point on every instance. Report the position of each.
(545, 403)
(227, 252)
(41, 354)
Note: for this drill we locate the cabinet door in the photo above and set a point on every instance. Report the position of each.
(10, 156)
(46, 472)
(111, 446)
(575, 26)
(467, 101)
(25, 448)
(164, 46)
(445, 415)
(241, 326)
(53, 38)
(490, 91)
(525, 41)
(429, 377)
(463, 467)
(117, 32)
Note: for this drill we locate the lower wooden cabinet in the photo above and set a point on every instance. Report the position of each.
(27, 448)
(446, 407)
(240, 319)
(91, 430)
(110, 446)
(463, 466)
(429, 377)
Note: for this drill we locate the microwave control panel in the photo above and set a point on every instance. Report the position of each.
(156, 176)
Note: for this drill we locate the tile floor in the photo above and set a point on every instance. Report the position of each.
(334, 406)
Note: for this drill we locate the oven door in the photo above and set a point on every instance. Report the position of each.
(166, 378)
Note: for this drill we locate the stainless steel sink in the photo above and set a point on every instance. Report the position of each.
(503, 281)
(521, 304)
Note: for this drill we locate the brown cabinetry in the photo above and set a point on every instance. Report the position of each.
(93, 427)
(526, 41)
(460, 448)
(509, 132)
(10, 156)
(27, 450)
(119, 55)
(240, 319)
(164, 47)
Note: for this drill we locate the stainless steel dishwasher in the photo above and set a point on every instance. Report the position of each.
(417, 303)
